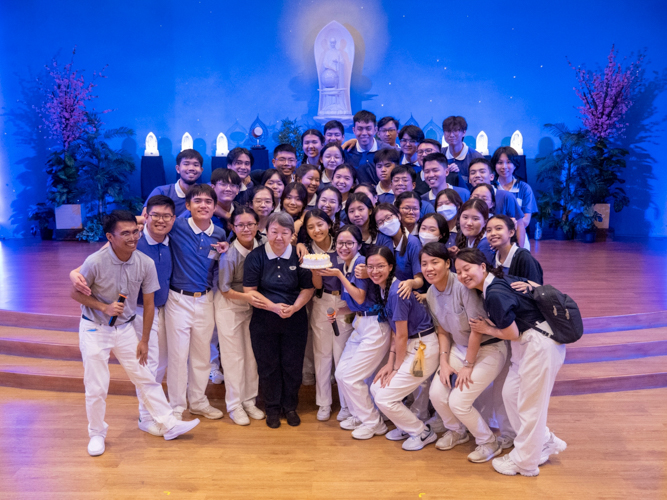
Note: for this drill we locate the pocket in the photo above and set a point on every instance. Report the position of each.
(133, 288)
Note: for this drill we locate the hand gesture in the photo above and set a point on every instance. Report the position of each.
(221, 246)
(301, 251)
(385, 375)
(79, 282)
(114, 309)
(463, 377)
(360, 272)
(142, 352)
(405, 289)
(519, 286)
(285, 311)
(446, 372)
(481, 326)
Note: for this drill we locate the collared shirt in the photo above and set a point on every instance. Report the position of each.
(507, 204)
(524, 195)
(230, 267)
(194, 258)
(463, 193)
(173, 191)
(279, 278)
(313, 202)
(373, 148)
(330, 283)
(508, 260)
(462, 161)
(504, 305)
(452, 308)
(485, 247)
(161, 256)
(380, 191)
(407, 265)
(410, 310)
(461, 156)
(362, 284)
(107, 277)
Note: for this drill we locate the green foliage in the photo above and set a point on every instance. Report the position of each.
(61, 187)
(92, 232)
(42, 213)
(290, 133)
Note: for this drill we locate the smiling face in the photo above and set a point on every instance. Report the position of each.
(318, 230)
(331, 159)
(311, 146)
(160, 220)
(285, 162)
(328, 202)
(262, 203)
(334, 135)
(311, 181)
(275, 184)
(190, 170)
(364, 132)
(401, 183)
(425, 149)
(225, 191)
(505, 167)
(470, 275)
(472, 222)
(343, 180)
(241, 166)
(498, 233)
(483, 193)
(358, 213)
(435, 175)
(434, 269)
(479, 173)
(408, 146)
(245, 228)
(378, 269)
(124, 237)
(409, 211)
(346, 246)
(292, 204)
(201, 207)
(279, 237)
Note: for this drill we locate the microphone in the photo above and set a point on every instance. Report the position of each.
(121, 300)
(331, 313)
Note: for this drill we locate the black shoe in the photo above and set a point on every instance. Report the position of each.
(273, 421)
(292, 418)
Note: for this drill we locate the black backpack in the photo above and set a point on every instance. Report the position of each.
(560, 312)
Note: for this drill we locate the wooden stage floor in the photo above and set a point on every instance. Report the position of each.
(606, 279)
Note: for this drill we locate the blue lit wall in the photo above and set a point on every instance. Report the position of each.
(200, 66)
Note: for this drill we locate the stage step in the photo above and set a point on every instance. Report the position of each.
(67, 376)
(611, 376)
(617, 345)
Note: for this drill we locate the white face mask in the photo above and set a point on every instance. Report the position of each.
(427, 237)
(391, 227)
(448, 211)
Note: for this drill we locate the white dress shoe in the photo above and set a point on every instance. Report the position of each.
(180, 428)
(96, 446)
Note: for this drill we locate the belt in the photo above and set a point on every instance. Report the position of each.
(490, 341)
(196, 295)
(128, 321)
(334, 292)
(428, 331)
(366, 313)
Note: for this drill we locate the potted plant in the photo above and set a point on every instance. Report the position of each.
(290, 133)
(44, 215)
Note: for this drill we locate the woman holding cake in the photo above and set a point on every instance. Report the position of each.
(327, 347)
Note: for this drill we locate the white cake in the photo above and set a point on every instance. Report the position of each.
(316, 261)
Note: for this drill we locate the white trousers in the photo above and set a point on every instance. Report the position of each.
(364, 351)
(157, 350)
(536, 360)
(215, 353)
(238, 360)
(455, 406)
(327, 348)
(190, 322)
(420, 400)
(389, 399)
(96, 343)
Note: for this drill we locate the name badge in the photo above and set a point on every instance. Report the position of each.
(292, 268)
(213, 254)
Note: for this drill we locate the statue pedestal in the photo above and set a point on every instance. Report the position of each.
(346, 120)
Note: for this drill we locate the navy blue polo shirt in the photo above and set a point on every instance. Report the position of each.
(463, 193)
(221, 222)
(161, 255)
(362, 284)
(408, 264)
(245, 197)
(174, 192)
(410, 310)
(426, 207)
(506, 204)
(503, 304)
(193, 257)
(364, 161)
(279, 278)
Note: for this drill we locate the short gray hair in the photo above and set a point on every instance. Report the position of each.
(283, 219)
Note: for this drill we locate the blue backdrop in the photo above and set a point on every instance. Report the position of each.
(209, 66)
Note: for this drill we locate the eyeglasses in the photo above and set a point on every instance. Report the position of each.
(379, 267)
(249, 225)
(425, 152)
(286, 161)
(410, 210)
(346, 244)
(407, 142)
(384, 221)
(164, 217)
(388, 130)
(130, 235)
(224, 185)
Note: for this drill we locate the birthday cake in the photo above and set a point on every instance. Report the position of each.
(316, 261)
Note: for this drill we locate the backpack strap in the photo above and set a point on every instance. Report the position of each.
(546, 334)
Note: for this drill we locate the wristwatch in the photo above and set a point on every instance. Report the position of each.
(467, 364)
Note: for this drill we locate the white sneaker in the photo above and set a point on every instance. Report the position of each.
(451, 439)
(308, 379)
(239, 416)
(485, 452)
(208, 412)
(415, 443)
(506, 466)
(178, 415)
(367, 432)
(216, 376)
(343, 414)
(151, 427)
(396, 435)
(552, 447)
(505, 442)
(96, 446)
(324, 413)
(180, 428)
(253, 412)
(436, 424)
(350, 424)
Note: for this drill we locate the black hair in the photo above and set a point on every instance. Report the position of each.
(388, 154)
(339, 196)
(388, 255)
(329, 145)
(318, 214)
(240, 210)
(371, 188)
(486, 162)
(109, 221)
(226, 175)
(334, 124)
(387, 119)
(404, 169)
(284, 148)
(476, 257)
(443, 226)
(364, 116)
(353, 230)
(452, 195)
(160, 200)
(503, 150)
(316, 133)
(270, 172)
(201, 189)
(482, 208)
(301, 193)
(438, 250)
(365, 200)
(259, 189)
(352, 170)
(455, 123)
(234, 154)
(407, 195)
(491, 190)
(413, 131)
(303, 169)
(432, 142)
(509, 223)
(437, 157)
(388, 207)
(189, 154)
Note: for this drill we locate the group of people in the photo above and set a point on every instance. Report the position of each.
(422, 319)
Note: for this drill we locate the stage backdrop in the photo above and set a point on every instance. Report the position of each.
(209, 66)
